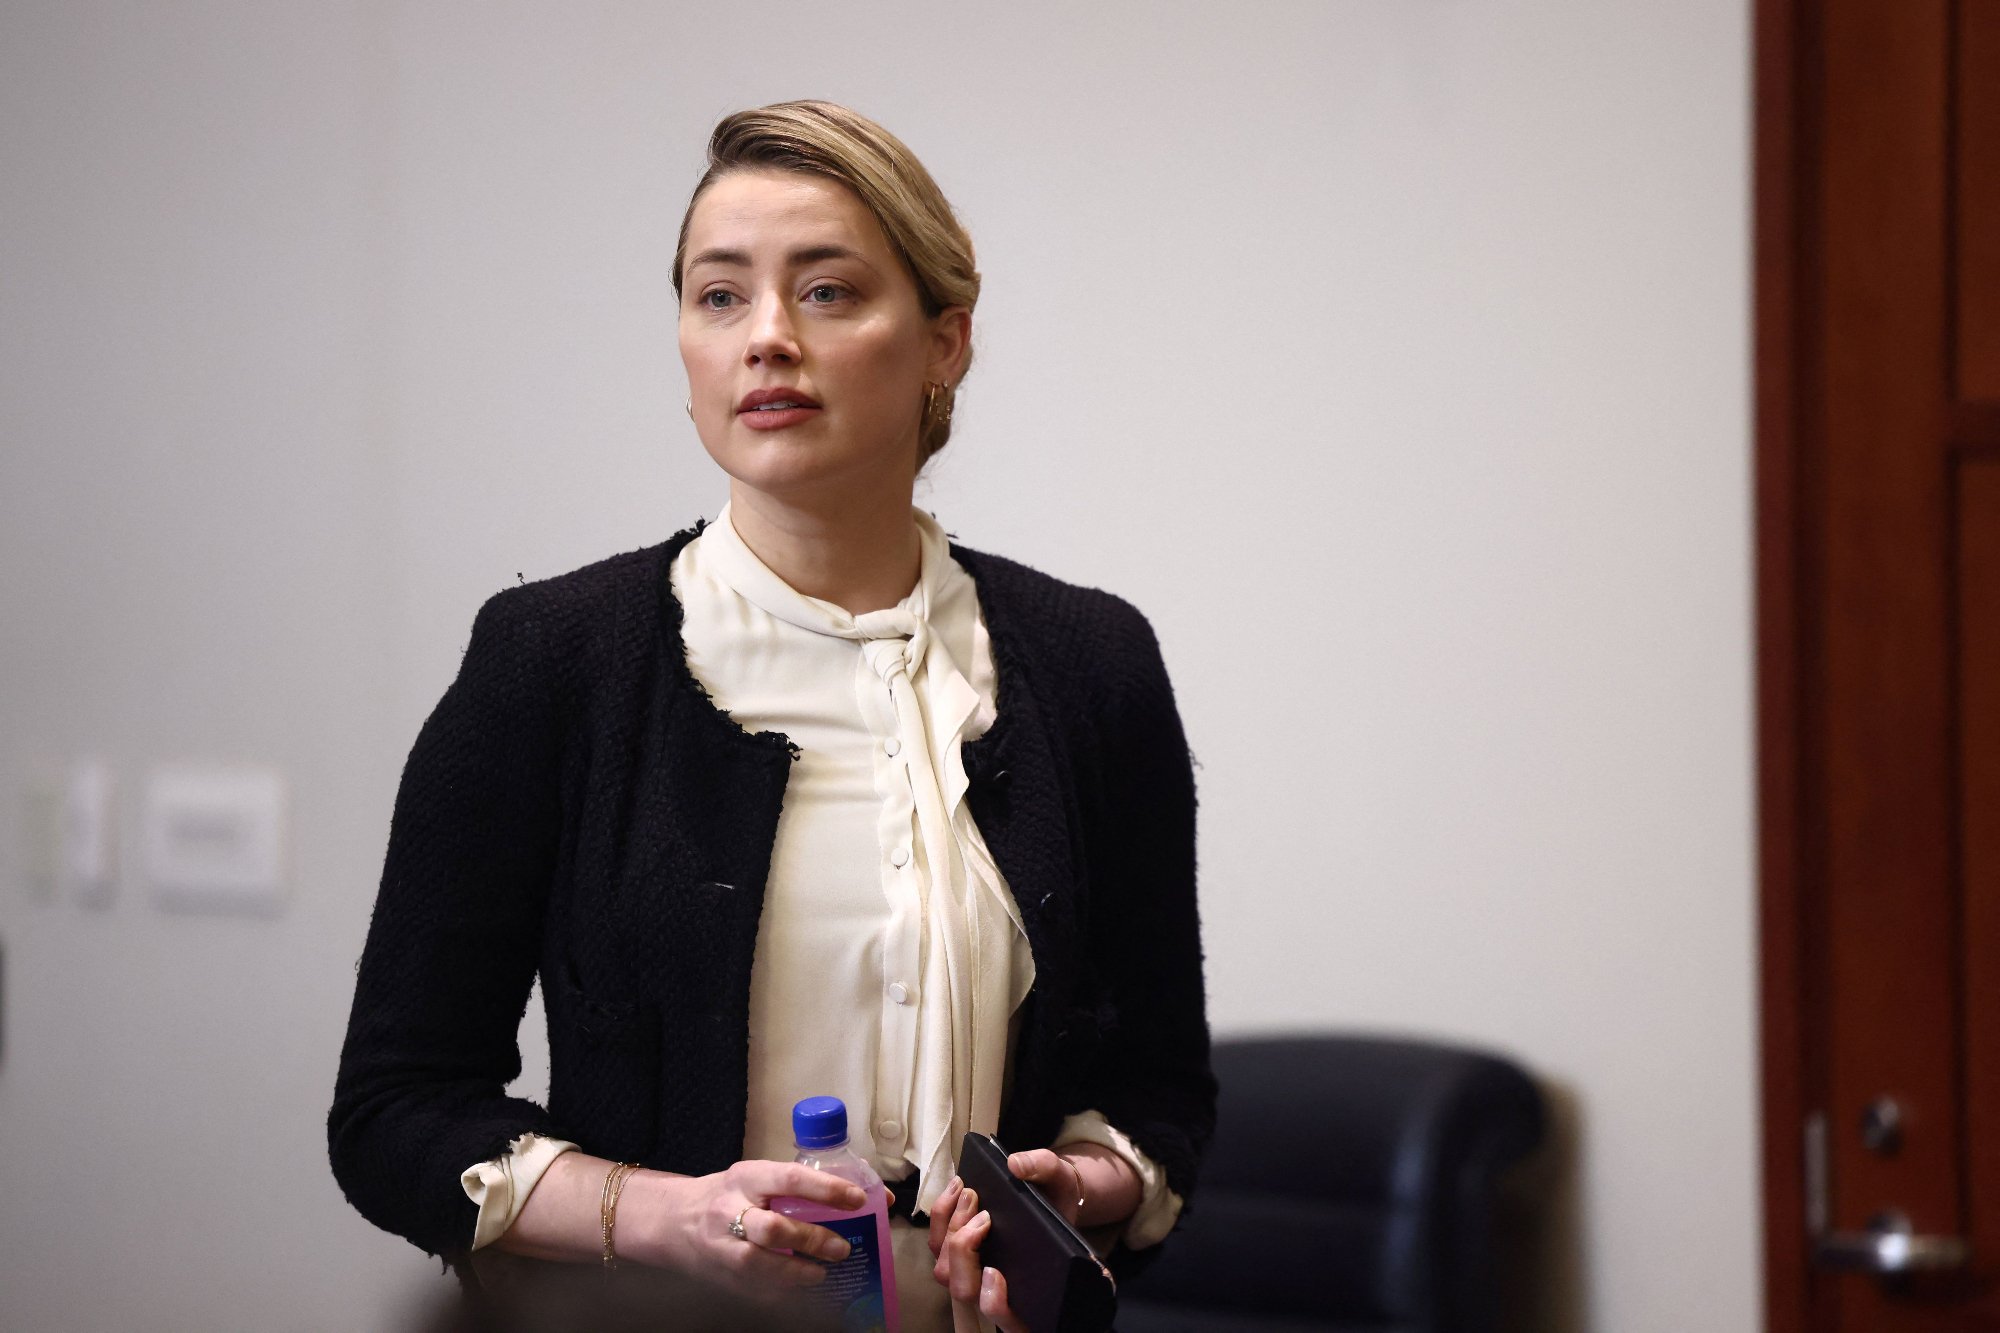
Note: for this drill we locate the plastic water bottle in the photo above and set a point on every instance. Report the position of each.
(862, 1287)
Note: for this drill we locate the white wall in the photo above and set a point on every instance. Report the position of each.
(1392, 354)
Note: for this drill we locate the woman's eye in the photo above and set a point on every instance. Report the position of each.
(717, 300)
(824, 294)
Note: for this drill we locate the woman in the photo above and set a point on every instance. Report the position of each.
(802, 801)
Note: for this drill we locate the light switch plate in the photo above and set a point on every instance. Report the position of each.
(88, 866)
(212, 838)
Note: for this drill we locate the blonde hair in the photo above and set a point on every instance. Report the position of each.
(829, 140)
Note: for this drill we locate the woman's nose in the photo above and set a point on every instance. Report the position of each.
(772, 335)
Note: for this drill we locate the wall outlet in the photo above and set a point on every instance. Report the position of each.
(212, 838)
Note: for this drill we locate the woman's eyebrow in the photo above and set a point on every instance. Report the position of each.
(817, 254)
(811, 254)
(735, 257)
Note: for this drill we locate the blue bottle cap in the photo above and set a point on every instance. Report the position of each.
(820, 1122)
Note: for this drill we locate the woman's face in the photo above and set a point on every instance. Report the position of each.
(806, 345)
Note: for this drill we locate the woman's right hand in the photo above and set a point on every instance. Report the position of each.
(683, 1222)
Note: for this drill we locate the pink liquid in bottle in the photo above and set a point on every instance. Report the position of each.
(862, 1287)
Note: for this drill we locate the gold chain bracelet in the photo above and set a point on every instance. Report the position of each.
(607, 1204)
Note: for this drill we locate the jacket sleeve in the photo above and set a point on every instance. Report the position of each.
(1151, 1077)
(451, 951)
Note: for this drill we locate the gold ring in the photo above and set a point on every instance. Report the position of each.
(736, 1227)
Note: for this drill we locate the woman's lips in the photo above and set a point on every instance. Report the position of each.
(776, 407)
(776, 416)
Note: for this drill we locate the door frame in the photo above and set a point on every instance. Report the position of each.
(1783, 252)
(1791, 244)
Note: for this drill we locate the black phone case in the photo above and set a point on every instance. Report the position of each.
(1054, 1280)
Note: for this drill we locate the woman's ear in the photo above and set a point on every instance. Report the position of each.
(951, 345)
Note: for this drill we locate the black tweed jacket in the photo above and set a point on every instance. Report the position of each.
(577, 807)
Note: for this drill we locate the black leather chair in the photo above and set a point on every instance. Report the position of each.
(1351, 1188)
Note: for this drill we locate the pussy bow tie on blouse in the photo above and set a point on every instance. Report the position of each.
(969, 980)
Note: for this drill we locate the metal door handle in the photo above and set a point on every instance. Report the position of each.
(1891, 1247)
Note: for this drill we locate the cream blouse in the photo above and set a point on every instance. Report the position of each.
(890, 955)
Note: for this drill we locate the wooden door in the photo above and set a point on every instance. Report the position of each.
(1878, 363)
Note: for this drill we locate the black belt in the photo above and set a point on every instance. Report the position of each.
(903, 1199)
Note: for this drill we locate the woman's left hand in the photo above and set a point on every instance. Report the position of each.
(1055, 1177)
(958, 1226)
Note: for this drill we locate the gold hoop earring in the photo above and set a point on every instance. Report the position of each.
(690, 407)
(933, 391)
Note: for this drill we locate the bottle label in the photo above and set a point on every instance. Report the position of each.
(853, 1287)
